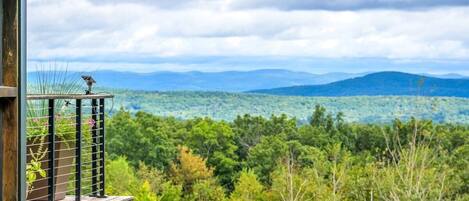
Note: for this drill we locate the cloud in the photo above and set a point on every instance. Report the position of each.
(346, 4)
(141, 31)
(296, 4)
(80, 28)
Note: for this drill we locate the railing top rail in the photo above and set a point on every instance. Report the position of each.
(68, 96)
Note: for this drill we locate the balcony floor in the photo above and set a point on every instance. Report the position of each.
(109, 198)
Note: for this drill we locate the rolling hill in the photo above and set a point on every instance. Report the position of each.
(226, 106)
(382, 83)
(229, 81)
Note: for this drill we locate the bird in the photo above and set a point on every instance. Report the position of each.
(89, 82)
(67, 103)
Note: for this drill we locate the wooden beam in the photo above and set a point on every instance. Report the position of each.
(8, 92)
(10, 130)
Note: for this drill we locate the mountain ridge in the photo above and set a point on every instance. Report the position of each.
(230, 81)
(381, 83)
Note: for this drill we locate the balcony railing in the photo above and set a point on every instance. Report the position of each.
(65, 146)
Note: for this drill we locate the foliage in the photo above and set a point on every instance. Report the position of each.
(227, 106)
(32, 170)
(207, 190)
(145, 184)
(154, 177)
(279, 159)
(188, 169)
(150, 141)
(120, 177)
(144, 193)
(214, 141)
(248, 188)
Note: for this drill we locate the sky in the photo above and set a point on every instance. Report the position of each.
(316, 36)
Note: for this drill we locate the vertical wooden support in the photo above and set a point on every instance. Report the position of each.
(12, 108)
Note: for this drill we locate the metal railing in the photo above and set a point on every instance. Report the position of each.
(65, 146)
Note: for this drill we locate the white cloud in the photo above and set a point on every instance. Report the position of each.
(79, 25)
(81, 29)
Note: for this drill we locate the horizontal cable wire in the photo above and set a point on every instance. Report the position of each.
(95, 192)
(61, 175)
(39, 198)
(88, 118)
(34, 127)
(89, 169)
(67, 191)
(37, 118)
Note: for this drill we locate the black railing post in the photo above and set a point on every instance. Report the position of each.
(78, 150)
(51, 174)
(94, 149)
(102, 151)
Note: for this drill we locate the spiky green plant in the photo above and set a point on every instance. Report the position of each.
(51, 79)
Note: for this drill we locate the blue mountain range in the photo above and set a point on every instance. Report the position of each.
(281, 82)
(382, 83)
(228, 81)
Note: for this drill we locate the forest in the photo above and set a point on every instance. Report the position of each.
(256, 158)
(227, 106)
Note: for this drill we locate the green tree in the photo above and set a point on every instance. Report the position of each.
(293, 183)
(215, 141)
(153, 176)
(248, 131)
(319, 116)
(171, 192)
(264, 156)
(144, 193)
(142, 137)
(120, 177)
(248, 188)
(188, 169)
(207, 190)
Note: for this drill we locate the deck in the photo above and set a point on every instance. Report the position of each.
(109, 198)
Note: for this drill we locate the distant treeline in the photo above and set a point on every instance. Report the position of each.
(227, 106)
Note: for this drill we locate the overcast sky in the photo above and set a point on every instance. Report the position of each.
(316, 36)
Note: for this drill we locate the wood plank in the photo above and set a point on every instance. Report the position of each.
(109, 198)
(10, 123)
(10, 150)
(8, 92)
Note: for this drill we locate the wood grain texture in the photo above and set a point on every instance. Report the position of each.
(10, 131)
(10, 150)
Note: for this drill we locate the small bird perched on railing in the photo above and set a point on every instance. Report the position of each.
(89, 82)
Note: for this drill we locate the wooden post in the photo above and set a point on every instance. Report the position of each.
(12, 90)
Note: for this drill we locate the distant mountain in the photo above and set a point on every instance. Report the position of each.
(382, 83)
(447, 76)
(229, 81)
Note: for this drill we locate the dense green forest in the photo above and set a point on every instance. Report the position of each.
(227, 106)
(276, 158)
